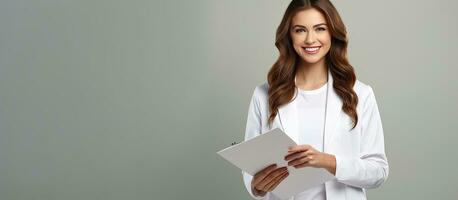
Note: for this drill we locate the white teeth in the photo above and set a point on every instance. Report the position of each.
(312, 49)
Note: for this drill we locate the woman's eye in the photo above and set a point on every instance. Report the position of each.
(321, 29)
(299, 30)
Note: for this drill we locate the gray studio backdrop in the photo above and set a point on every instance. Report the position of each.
(110, 99)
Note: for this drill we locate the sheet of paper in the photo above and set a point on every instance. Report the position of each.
(271, 147)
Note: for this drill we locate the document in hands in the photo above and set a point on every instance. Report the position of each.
(269, 148)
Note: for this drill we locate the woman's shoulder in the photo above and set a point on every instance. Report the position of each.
(366, 96)
(363, 90)
(261, 91)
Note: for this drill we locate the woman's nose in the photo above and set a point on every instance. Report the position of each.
(310, 39)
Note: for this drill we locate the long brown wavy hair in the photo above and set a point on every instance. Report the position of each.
(281, 75)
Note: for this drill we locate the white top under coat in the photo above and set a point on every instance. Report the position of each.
(311, 110)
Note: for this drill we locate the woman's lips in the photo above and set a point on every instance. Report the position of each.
(311, 50)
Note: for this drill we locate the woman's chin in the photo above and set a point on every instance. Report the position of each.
(309, 60)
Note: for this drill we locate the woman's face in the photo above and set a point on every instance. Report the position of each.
(310, 35)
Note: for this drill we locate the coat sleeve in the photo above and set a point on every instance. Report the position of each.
(253, 128)
(370, 169)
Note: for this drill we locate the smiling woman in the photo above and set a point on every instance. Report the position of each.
(312, 94)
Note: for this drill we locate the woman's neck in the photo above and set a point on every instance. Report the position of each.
(309, 77)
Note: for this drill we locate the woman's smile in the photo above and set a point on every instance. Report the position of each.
(311, 50)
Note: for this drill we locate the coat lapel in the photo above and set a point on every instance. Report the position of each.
(333, 113)
(289, 121)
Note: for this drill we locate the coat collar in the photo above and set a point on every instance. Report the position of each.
(289, 121)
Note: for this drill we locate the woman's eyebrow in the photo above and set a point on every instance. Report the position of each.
(301, 26)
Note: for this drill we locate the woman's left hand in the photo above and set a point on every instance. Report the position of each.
(301, 156)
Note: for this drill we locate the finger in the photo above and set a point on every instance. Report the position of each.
(307, 153)
(299, 148)
(296, 155)
(278, 182)
(274, 180)
(263, 173)
(271, 176)
(299, 161)
(293, 155)
(307, 164)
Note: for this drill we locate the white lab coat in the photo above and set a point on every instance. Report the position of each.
(361, 162)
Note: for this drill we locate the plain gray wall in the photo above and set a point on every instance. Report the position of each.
(110, 99)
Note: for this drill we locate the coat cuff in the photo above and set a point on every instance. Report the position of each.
(342, 168)
(360, 173)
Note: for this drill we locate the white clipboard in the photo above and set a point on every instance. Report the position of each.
(269, 148)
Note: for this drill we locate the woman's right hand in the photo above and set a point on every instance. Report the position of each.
(268, 179)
